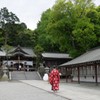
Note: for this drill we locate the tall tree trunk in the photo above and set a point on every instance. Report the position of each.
(72, 41)
(6, 37)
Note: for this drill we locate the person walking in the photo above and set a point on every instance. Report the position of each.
(45, 77)
(24, 67)
(54, 79)
(27, 68)
(20, 67)
(17, 68)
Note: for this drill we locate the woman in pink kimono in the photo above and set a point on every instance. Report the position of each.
(54, 79)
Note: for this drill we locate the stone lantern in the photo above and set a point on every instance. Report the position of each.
(46, 69)
(5, 77)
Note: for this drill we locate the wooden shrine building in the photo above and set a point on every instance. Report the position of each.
(85, 68)
(23, 56)
(56, 59)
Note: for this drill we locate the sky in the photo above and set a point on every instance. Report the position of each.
(29, 11)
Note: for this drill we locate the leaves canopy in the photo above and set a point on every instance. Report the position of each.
(6, 20)
(71, 25)
(44, 38)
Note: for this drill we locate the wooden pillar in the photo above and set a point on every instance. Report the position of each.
(0, 61)
(66, 75)
(96, 81)
(78, 75)
(18, 58)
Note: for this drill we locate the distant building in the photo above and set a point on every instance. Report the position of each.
(56, 59)
(23, 56)
(85, 68)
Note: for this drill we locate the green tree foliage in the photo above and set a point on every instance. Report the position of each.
(59, 23)
(84, 34)
(44, 39)
(38, 50)
(28, 37)
(68, 26)
(93, 15)
(6, 20)
(22, 37)
(1, 37)
(14, 34)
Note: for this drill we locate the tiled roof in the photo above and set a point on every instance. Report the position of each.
(89, 56)
(55, 55)
(28, 51)
(2, 53)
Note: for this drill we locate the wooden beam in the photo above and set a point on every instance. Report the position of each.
(66, 75)
(0, 61)
(78, 75)
(96, 81)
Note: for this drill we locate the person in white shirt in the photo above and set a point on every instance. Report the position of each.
(20, 67)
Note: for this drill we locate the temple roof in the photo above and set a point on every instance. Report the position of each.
(26, 51)
(56, 55)
(2, 53)
(90, 56)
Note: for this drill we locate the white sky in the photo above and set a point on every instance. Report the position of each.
(29, 11)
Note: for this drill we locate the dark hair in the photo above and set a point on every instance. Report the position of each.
(54, 66)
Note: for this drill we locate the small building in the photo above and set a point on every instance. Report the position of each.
(85, 68)
(23, 56)
(56, 59)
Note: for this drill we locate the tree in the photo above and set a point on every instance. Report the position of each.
(6, 20)
(93, 15)
(38, 50)
(29, 38)
(44, 39)
(63, 19)
(61, 24)
(1, 37)
(14, 34)
(84, 34)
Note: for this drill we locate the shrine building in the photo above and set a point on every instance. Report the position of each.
(23, 56)
(50, 59)
(85, 68)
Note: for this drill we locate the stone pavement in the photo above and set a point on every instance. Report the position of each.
(16, 90)
(41, 90)
(70, 91)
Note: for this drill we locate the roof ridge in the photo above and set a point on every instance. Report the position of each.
(56, 52)
(93, 49)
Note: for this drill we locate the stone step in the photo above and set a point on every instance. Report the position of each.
(22, 75)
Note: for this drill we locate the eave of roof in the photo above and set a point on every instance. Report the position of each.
(56, 55)
(28, 51)
(92, 55)
(2, 53)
